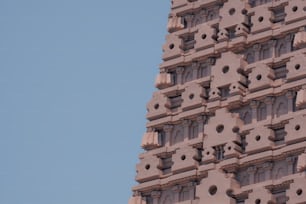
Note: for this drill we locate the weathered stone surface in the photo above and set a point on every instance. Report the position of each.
(227, 123)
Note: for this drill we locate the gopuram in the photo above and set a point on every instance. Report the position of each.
(227, 124)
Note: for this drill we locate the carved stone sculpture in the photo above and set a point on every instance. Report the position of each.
(227, 123)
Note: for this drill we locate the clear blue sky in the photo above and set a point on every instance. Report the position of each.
(75, 77)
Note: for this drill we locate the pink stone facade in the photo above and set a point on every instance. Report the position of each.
(227, 124)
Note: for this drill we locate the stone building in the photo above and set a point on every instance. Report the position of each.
(227, 124)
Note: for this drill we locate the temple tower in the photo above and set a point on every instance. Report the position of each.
(227, 124)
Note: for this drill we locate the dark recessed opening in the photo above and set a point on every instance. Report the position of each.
(171, 46)
(156, 106)
(213, 190)
(147, 166)
(258, 77)
(297, 66)
(260, 19)
(183, 157)
(235, 129)
(299, 192)
(257, 138)
(229, 148)
(204, 36)
(244, 11)
(297, 127)
(225, 69)
(191, 96)
(257, 201)
(232, 11)
(220, 128)
(294, 9)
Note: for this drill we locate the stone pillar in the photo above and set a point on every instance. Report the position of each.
(272, 44)
(186, 125)
(256, 49)
(156, 196)
(251, 171)
(288, 41)
(203, 15)
(168, 131)
(201, 120)
(179, 75)
(269, 102)
(189, 19)
(176, 190)
(290, 162)
(290, 95)
(195, 68)
(192, 192)
(268, 170)
(254, 105)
